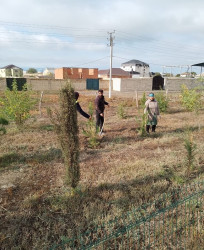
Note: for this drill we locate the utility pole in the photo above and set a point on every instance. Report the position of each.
(111, 59)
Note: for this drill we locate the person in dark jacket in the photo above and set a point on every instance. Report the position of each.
(100, 107)
(78, 107)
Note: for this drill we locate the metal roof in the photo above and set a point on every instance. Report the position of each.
(115, 71)
(10, 66)
(135, 62)
(199, 64)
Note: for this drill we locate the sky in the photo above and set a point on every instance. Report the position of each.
(75, 33)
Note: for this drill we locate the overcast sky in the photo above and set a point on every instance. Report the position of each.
(73, 33)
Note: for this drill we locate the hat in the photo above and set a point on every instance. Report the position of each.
(151, 95)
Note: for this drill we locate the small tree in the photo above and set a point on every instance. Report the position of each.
(162, 101)
(31, 71)
(143, 100)
(190, 147)
(190, 99)
(66, 127)
(16, 105)
(142, 124)
(121, 111)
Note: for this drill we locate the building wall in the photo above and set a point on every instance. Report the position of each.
(17, 72)
(76, 73)
(11, 73)
(143, 70)
(2, 73)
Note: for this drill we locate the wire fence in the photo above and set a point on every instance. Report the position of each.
(173, 221)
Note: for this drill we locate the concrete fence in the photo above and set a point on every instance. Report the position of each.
(118, 84)
(145, 84)
(55, 85)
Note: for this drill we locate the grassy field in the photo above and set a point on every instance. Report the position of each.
(124, 171)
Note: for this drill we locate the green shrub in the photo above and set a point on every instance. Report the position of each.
(190, 99)
(162, 101)
(143, 100)
(16, 105)
(190, 147)
(142, 124)
(90, 131)
(121, 111)
(66, 127)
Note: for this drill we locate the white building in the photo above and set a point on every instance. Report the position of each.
(136, 68)
(11, 71)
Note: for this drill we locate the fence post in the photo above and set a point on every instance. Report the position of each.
(40, 103)
(136, 97)
(166, 93)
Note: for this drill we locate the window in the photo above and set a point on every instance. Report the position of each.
(91, 72)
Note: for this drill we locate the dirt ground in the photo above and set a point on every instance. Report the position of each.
(123, 171)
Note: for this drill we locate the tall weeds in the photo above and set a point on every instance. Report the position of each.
(90, 131)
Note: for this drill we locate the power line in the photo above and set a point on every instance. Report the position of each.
(91, 61)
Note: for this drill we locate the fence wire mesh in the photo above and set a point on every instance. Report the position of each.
(173, 221)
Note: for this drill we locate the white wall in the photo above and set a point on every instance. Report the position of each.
(116, 84)
(2, 73)
(132, 84)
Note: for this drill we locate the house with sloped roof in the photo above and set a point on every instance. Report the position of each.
(11, 71)
(136, 68)
(116, 73)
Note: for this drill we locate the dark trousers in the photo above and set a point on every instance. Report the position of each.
(99, 120)
(148, 127)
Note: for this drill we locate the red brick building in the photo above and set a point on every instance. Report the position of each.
(76, 73)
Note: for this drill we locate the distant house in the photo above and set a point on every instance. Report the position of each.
(116, 73)
(76, 73)
(50, 72)
(136, 68)
(11, 71)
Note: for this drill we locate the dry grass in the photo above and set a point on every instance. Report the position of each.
(125, 171)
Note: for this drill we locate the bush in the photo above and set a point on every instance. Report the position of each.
(162, 101)
(190, 99)
(143, 100)
(66, 127)
(16, 105)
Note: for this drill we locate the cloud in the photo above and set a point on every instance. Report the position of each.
(45, 32)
